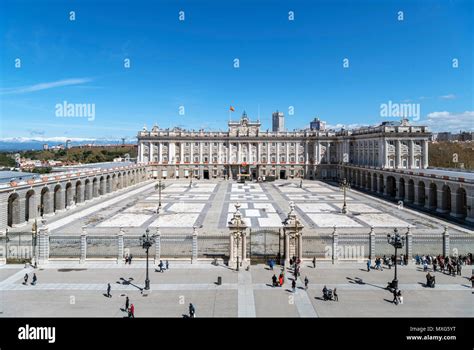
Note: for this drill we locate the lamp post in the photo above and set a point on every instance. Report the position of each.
(159, 186)
(34, 234)
(147, 241)
(397, 241)
(344, 186)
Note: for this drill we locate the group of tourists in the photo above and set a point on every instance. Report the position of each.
(329, 294)
(445, 264)
(128, 259)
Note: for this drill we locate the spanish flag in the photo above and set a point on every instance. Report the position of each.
(232, 109)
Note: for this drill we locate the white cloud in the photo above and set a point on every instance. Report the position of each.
(45, 86)
(448, 121)
(345, 126)
(448, 97)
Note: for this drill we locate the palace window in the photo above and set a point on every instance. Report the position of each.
(196, 159)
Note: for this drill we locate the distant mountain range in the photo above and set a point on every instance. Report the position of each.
(24, 143)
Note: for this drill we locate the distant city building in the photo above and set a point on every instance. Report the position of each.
(466, 136)
(278, 122)
(444, 136)
(317, 124)
(68, 144)
(45, 147)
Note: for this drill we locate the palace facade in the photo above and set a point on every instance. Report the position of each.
(312, 153)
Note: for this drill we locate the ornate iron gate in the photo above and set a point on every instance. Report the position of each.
(265, 244)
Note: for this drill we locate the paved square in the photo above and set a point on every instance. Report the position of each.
(77, 290)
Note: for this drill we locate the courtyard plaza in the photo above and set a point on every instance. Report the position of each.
(208, 205)
(67, 289)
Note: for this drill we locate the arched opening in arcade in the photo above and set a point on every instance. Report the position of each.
(30, 205)
(410, 191)
(391, 186)
(401, 188)
(57, 198)
(461, 203)
(445, 199)
(69, 197)
(13, 210)
(79, 196)
(45, 205)
(433, 196)
(421, 193)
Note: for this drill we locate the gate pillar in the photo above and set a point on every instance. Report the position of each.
(293, 233)
(238, 233)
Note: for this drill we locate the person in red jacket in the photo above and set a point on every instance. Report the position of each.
(131, 312)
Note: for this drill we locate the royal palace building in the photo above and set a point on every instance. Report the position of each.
(314, 153)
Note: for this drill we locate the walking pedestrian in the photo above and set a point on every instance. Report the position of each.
(395, 297)
(131, 312)
(368, 265)
(192, 311)
(167, 265)
(399, 296)
(280, 280)
(127, 301)
(126, 259)
(160, 265)
(314, 262)
(108, 291)
(306, 281)
(34, 280)
(293, 285)
(336, 298)
(130, 259)
(25, 279)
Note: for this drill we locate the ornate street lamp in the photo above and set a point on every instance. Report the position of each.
(397, 241)
(147, 241)
(345, 186)
(34, 234)
(159, 187)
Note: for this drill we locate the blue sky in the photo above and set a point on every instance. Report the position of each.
(190, 63)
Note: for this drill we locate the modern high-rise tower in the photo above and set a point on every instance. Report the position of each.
(278, 122)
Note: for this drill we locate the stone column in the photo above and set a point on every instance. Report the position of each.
(335, 245)
(455, 210)
(195, 246)
(120, 246)
(446, 241)
(411, 154)
(398, 151)
(372, 243)
(142, 152)
(409, 245)
(43, 243)
(157, 246)
(244, 247)
(83, 257)
(425, 154)
(151, 145)
(439, 201)
(160, 152)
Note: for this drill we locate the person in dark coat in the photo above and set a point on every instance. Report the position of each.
(108, 290)
(274, 281)
(25, 279)
(127, 301)
(293, 285)
(34, 279)
(192, 310)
